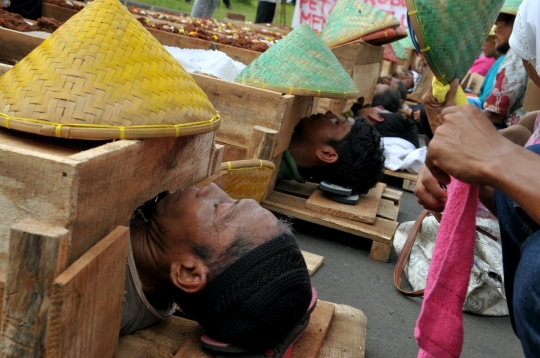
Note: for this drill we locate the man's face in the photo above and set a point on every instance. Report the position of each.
(210, 217)
(407, 78)
(503, 30)
(489, 48)
(319, 128)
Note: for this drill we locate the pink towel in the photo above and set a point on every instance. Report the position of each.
(439, 329)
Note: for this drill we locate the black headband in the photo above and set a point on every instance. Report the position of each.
(257, 300)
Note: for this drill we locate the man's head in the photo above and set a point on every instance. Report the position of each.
(397, 84)
(410, 79)
(503, 30)
(386, 97)
(227, 260)
(346, 152)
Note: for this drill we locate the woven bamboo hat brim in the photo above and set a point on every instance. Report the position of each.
(247, 179)
(511, 6)
(385, 36)
(451, 33)
(353, 19)
(101, 75)
(300, 64)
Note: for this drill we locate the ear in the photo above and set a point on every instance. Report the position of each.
(327, 154)
(189, 275)
(374, 118)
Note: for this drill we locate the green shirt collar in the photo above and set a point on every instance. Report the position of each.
(288, 169)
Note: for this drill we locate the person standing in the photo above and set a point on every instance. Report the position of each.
(29, 9)
(265, 11)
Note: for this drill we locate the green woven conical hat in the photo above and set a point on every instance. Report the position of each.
(102, 75)
(511, 6)
(450, 33)
(300, 64)
(352, 19)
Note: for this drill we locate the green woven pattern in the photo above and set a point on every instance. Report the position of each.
(511, 6)
(300, 64)
(400, 47)
(451, 32)
(352, 19)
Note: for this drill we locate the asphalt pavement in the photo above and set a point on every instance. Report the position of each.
(348, 276)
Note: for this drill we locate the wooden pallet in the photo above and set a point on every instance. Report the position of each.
(289, 198)
(409, 179)
(334, 331)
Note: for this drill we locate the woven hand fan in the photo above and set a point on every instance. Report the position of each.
(450, 33)
(300, 64)
(352, 19)
(511, 7)
(101, 75)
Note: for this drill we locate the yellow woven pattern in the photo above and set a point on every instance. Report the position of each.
(103, 69)
(248, 183)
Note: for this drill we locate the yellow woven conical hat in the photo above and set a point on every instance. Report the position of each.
(352, 19)
(101, 75)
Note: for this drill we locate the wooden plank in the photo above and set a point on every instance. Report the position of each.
(219, 179)
(304, 190)
(37, 254)
(310, 342)
(313, 262)
(262, 143)
(232, 153)
(380, 252)
(387, 210)
(382, 230)
(161, 340)
(216, 157)
(96, 186)
(393, 195)
(59, 13)
(242, 107)
(192, 346)
(364, 211)
(401, 174)
(277, 163)
(86, 305)
(294, 110)
(346, 337)
(409, 185)
(15, 45)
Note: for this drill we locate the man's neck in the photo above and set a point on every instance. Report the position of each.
(302, 153)
(149, 260)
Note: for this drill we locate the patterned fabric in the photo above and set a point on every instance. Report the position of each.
(484, 293)
(508, 92)
(535, 138)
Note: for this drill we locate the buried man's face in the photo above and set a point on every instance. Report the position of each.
(319, 128)
(407, 78)
(209, 217)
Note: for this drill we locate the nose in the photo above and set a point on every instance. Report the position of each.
(208, 190)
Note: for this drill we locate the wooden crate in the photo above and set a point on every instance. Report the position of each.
(74, 184)
(289, 198)
(362, 62)
(409, 179)
(166, 38)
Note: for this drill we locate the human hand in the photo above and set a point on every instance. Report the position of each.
(466, 146)
(434, 108)
(417, 115)
(429, 192)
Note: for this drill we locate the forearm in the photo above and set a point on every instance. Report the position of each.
(516, 175)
